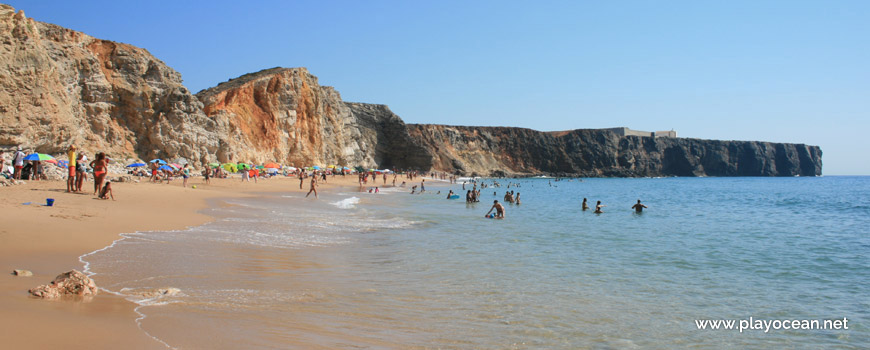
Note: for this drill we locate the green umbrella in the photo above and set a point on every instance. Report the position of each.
(243, 166)
(38, 156)
(214, 165)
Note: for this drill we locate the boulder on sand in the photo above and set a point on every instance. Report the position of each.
(72, 283)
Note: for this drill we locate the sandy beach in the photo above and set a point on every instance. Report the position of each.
(49, 240)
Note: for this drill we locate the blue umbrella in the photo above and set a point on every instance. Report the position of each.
(136, 165)
(159, 161)
(166, 167)
(316, 167)
(38, 156)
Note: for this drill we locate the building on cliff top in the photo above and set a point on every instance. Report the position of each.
(623, 131)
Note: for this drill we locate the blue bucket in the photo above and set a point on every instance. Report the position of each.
(49, 202)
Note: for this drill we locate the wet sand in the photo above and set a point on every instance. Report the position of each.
(49, 240)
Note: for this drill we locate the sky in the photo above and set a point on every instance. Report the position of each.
(780, 71)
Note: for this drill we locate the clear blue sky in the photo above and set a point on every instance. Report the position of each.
(782, 71)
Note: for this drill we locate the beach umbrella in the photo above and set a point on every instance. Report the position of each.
(260, 167)
(136, 165)
(316, 167)
(38, 156)
(158, 161)
(230, 167)
(165, 167)
(214, 165)
(174, 165)
(273, 166)
(291, 168)
(52, 161)
(243, 166)
(386, 170)
(331, 166)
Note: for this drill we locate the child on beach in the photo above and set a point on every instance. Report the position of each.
(106, 191)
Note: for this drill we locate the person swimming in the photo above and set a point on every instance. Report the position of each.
(638, 208)
(499, 210)
(450, 194)
(585, 205)
(598, 208)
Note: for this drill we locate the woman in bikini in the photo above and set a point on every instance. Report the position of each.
(99, 165)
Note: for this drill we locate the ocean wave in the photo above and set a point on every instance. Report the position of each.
(347, 203)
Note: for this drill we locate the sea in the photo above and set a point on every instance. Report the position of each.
(395, 270)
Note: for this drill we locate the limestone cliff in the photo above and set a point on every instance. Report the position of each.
(283, 114)
(517, 151)
(64, 87)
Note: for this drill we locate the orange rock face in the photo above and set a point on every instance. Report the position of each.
(284, 115)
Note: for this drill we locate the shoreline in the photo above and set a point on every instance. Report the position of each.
(52, 240)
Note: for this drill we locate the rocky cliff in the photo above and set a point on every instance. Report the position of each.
(283, 114)
(517, 151)
(64, 87)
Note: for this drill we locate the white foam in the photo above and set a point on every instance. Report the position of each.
(347, 203)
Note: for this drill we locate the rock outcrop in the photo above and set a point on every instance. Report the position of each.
(494, 151)
(64, 87)
(67, 284)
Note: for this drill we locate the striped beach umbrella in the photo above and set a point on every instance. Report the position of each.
(38, 156)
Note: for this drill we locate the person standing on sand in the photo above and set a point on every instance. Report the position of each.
(301, 180)
(185, 173)
(100, 166)
(71, 167)
(81, 174)
(585, 205)
(206, 173)
(598, 208)
(18, 163)
(313, 187)
(638, 208)
(154, 167)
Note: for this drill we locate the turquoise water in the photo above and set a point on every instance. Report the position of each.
(395, 270)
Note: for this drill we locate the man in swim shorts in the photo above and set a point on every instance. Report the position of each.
(71, 177)
(499, 210)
